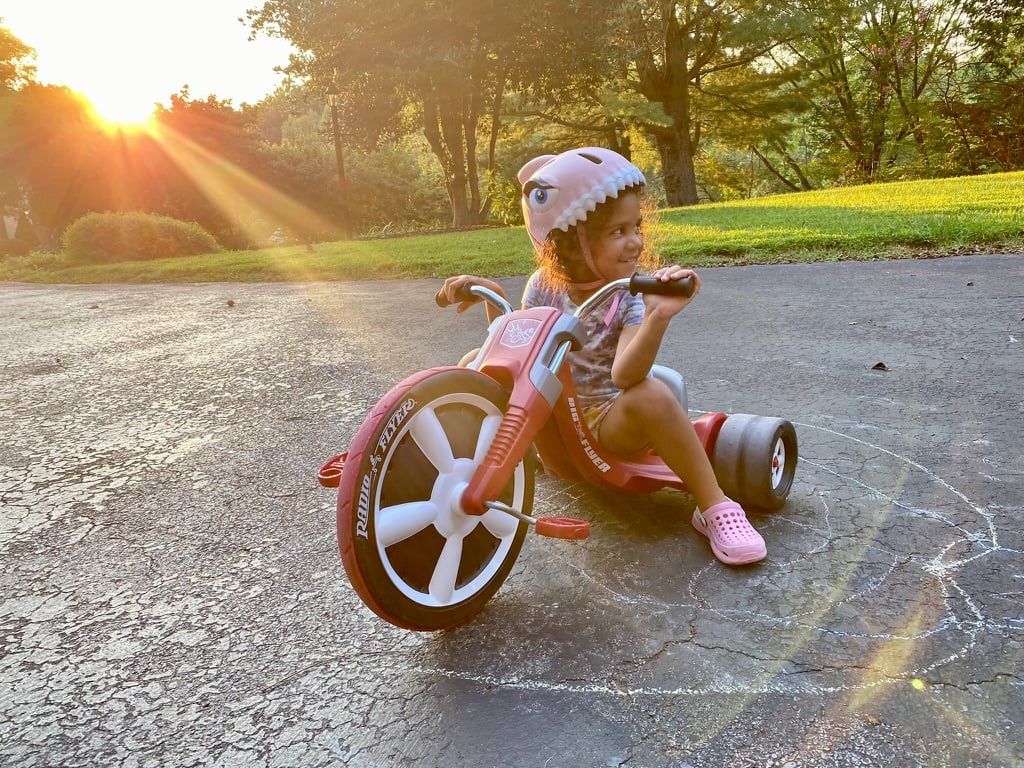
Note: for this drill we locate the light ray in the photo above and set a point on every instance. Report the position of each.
(889, 661)
(256, 206)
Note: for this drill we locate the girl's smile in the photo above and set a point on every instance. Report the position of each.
(620, 240)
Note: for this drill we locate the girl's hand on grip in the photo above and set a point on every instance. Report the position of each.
(669, 306)
(453, 285)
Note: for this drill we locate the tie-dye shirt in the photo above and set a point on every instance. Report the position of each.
(592, 365)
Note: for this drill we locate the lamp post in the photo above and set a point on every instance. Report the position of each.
(333, 98)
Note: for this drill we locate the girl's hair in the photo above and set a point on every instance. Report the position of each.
(561, 261)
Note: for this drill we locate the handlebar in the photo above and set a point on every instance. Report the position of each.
(643, 284)
(636, 284)
(468, 293)
(463, 294)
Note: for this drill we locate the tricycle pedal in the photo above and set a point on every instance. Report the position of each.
(329, 475)
(552, 527)
(563, 527)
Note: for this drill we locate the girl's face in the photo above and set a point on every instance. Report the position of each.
(617, 245)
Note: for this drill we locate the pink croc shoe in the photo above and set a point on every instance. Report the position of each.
(733, 540)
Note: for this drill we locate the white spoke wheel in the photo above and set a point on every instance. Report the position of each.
(413, 556)
(755, 460)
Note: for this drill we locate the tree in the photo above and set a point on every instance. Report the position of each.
(872, 89)
(56, 152)
(448, 64)
(983, 97)
(680, 53)
(16, 71)
(16, 68)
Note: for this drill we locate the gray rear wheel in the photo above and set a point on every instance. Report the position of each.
(755, 460)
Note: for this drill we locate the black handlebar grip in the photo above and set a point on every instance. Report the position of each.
(461, 295)
(643, 284)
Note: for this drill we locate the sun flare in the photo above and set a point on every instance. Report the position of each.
(121, 110)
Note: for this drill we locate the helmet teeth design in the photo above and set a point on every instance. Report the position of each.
(581, 180)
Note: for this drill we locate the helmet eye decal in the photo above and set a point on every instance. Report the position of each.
(591, 158)
(539, 196)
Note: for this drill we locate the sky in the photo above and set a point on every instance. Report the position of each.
(124, 55)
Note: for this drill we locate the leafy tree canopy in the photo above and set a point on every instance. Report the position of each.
(16, 68)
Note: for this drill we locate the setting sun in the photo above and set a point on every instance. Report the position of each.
(125, 57)
(121, 109)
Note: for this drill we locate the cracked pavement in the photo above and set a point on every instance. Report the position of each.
(172, 594)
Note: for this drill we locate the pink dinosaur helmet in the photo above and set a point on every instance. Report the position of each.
(560, 190)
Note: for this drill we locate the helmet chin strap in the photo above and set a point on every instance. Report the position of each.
(581, 233)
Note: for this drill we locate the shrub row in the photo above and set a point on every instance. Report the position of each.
(104, 238)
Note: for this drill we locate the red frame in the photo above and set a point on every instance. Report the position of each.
(565, 444)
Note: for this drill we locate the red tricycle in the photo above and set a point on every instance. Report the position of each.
(435, 493)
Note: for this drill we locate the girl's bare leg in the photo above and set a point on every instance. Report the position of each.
(649, 414)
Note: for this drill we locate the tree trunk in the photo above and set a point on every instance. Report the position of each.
(442, 126)
(668, 82)
(677, 166)
(471, 116)
(792, 164)
(461, 215)
(618, 139)
(773, 170)
(451, 116)
(499, 92)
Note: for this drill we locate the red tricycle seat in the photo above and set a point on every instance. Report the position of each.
(569, 450)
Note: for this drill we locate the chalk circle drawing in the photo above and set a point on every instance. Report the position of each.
(872, 579)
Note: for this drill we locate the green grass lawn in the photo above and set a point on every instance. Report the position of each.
(916, 218)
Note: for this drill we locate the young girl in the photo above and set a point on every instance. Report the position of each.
(583, 214)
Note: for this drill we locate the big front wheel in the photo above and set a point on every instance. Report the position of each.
(413, 556)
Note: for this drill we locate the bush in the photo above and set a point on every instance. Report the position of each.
(30, 265)
(396, 186)
(505, 196)
(103, 238)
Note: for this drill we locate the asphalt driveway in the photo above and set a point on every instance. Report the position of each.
(172, 595)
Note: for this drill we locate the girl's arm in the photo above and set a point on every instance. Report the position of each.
(639, 344)
(637, 349)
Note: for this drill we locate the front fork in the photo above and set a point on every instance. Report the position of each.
(528, 410)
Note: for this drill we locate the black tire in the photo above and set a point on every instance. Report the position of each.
(412, 556)
(755, 460)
